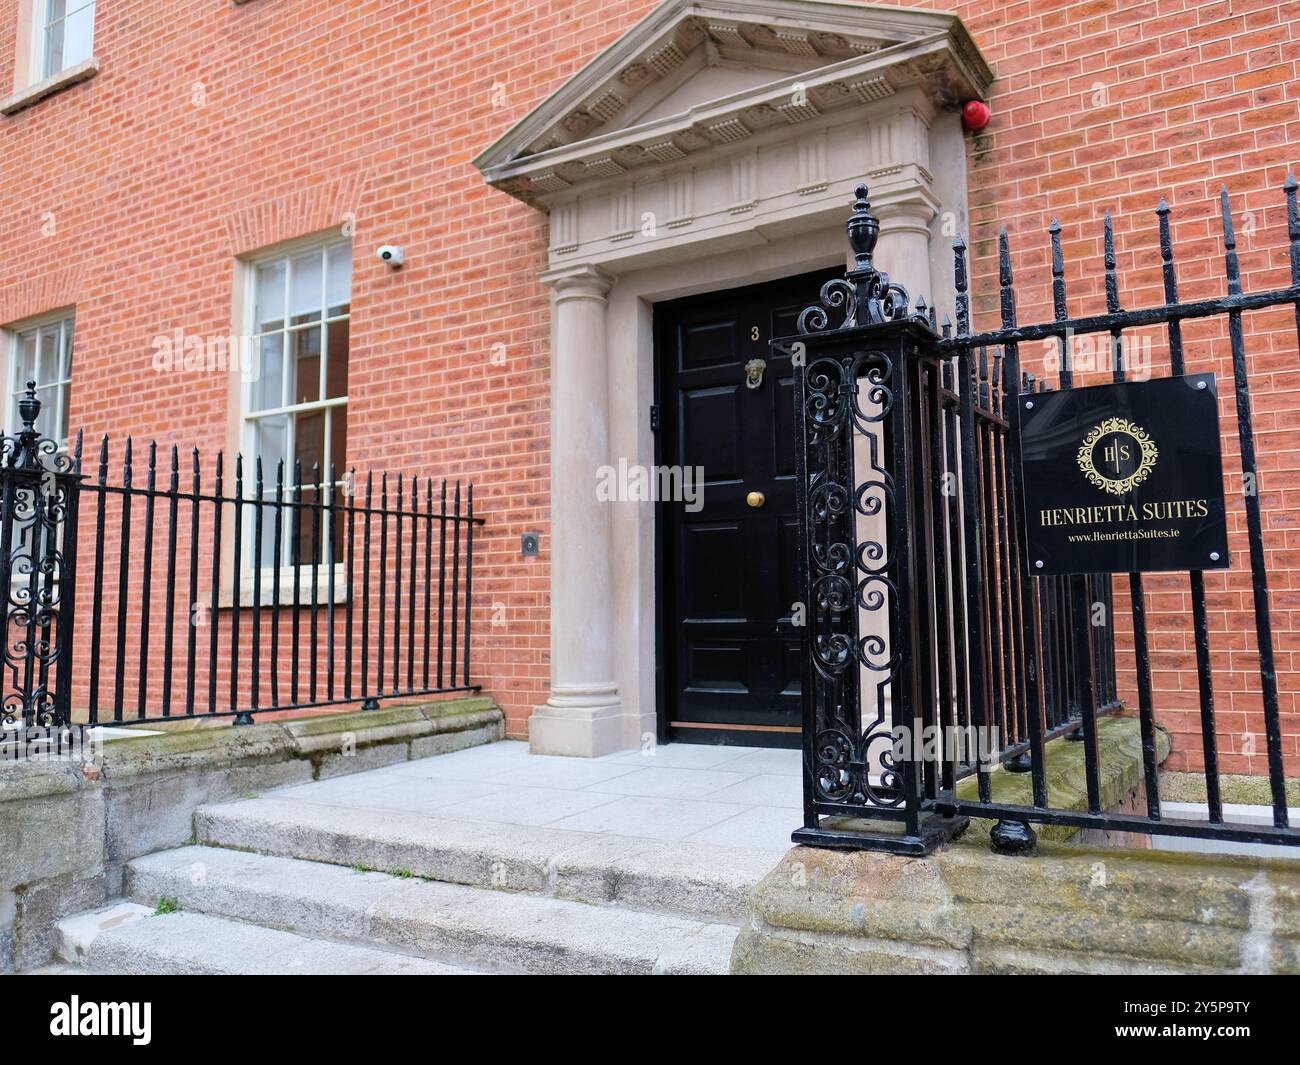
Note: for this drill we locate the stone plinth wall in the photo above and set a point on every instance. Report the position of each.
(67, 829)
(1068, 910)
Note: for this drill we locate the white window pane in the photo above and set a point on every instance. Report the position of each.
(268, 382)
(54, 49)
(65, 369)
(28, 367)
(336, 368)
(305, 346)
(78, 36)
(305, 287)
(270, 296)
(47, 362)
(45, 420)
(271, 442)
(338, 291)
(65, 397)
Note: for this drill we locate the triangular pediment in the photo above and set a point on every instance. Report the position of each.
(699, 73)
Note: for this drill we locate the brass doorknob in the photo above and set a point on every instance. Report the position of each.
(755, 499)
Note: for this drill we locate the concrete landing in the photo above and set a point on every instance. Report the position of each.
(736, 796)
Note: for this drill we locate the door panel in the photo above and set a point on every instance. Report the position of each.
(729, 571)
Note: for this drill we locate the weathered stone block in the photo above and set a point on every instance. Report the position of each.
(488, 731)
(1068, 910)
(40, 906)
(51, 822)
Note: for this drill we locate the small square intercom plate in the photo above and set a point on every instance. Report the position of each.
(530, 543)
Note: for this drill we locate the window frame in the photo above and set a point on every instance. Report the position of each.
(249, 417)
(13, 383)
(40, 18)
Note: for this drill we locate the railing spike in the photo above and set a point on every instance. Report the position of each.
(1293, 232)
(1231, 262)
(1112, 279)
(1005, 279)
(1059, 307)
(961, 284)
(1170, 275)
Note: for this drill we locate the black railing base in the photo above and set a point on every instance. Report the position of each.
(243, 718)
(1019, 763)
(933, 832)
(370, 704)
(1014, 838)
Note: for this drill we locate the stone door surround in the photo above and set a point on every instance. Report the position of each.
(715, 144)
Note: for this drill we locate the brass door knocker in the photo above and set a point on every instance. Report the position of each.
(754, 373)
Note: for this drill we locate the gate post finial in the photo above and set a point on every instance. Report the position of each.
(866, 295)
(864, 230)
(26, 454)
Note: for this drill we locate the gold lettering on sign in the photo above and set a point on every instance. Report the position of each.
(1115, 513)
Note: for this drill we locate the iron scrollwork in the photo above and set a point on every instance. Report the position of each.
(846, 401)
(865, 295)
(38, 488)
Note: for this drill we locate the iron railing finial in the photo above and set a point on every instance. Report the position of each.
(866, 296)
(26, 454)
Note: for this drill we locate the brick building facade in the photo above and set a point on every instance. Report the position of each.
(196, 139)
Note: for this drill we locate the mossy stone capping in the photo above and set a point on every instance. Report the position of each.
(1071, 909)
(25, 781)
(1233, 788)
(278, 741)
(1119, 773)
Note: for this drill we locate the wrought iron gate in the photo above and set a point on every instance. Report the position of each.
(922, 617)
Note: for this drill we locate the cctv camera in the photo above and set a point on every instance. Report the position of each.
(391, 254)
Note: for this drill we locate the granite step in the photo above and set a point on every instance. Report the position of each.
(674, 877)
(185, 944)
(450, 924)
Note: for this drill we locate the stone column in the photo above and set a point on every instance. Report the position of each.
(904, 248)
(583, 715)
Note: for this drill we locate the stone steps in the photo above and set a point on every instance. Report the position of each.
(676, 877)
(293, 883)
(452, 925)
(182, 944)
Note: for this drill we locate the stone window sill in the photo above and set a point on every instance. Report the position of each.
(226, 600)
(34, 94)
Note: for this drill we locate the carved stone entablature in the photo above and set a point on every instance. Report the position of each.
(696, 77)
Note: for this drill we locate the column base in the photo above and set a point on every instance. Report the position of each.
(582, 724)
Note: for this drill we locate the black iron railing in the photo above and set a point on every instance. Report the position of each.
(923, 611)
(212, 595)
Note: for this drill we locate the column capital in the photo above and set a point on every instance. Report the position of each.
(583, 281)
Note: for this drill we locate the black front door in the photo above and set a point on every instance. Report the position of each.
(728, 577)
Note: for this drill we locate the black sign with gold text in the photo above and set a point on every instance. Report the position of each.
(1124, 478)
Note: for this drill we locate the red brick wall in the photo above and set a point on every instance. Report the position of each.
(1108, 105)
(213, 129)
